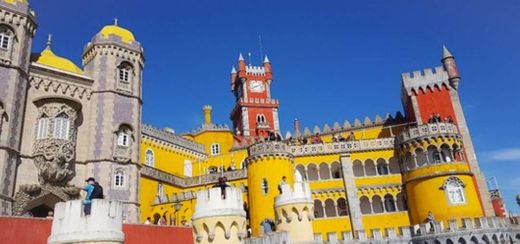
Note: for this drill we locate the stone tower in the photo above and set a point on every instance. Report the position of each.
(17, 28)
(219, 218)
(255, 112)
(295, 211)
(114, 60)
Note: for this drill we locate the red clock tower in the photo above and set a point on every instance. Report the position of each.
(255, 112)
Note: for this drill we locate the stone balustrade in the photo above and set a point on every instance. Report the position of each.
(343, 147)
(178, 181)
(103, 225)
(426, 130)
(477, 230)
(268, 148)
(273, 237)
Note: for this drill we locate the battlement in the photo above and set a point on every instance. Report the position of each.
(255, 70)
(300, 193)
(104, 224)
(483, 230)
(423, 79)
(210, 203)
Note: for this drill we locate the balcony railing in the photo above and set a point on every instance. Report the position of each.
(431, 129)
(264, 148)
(343, 147)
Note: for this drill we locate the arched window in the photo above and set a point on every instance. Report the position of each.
(447, 156)
(389, 203)
(324, 171)
(364, 204)
(330, 208)
(454, 188)
(123, 139)
(6, 38)
(382, 167)
(357, 167)
(42, 131)
(409, 161)
(335, 170)
(119, 179)
(265, 186)
(260, 119)
(125, 72)
(215, 149)
(394, 165)
(312, 172)
(61, 127)
(377, 204)
(149, 158)
(401, 202)
(318, 209)
(370, 168)
(342, 207)
(420, 157)
(301, 169)
(434, 157)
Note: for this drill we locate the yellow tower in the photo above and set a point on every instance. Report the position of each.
(295, 212)
(219, 218)
(207, 114)
(267, 164)
(436, 174)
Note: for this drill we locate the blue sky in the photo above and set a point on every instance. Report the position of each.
(332, 60)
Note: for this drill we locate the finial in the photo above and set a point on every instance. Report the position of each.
(266, 59)
(240, 57)
(233, 70)
(446, 53)
(249, 54)
(49, 42)
(115, 21)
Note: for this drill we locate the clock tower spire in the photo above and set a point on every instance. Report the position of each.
(255, 112)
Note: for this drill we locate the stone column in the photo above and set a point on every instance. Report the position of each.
(351, 193)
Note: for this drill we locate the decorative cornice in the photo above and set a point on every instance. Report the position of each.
(182, 143)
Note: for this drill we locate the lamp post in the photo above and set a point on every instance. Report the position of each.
(177, 207)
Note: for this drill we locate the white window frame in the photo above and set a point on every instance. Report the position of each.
(149, 160)
(119, 179)
(5, 40)
(61, 127)
(42, 132)
(188, 168)
(160, 189)
(124, 74)
(123, 139)
(215, 149)
(454, 187)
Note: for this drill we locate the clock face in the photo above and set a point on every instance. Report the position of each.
(256, 86)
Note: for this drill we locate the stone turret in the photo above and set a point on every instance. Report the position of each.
(218, 219)
(104, 225)
(294, 212)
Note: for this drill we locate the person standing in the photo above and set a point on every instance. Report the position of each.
(148, 221)
(88, 188)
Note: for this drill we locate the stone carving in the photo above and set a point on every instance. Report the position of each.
(53, 159)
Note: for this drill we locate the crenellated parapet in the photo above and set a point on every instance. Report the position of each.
(103, 225)
(425, 79)
(343, 147)
(294, 209)
(219, 217)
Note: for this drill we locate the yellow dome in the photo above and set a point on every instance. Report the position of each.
(15, 1)
(125, 34)
(48, 58)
